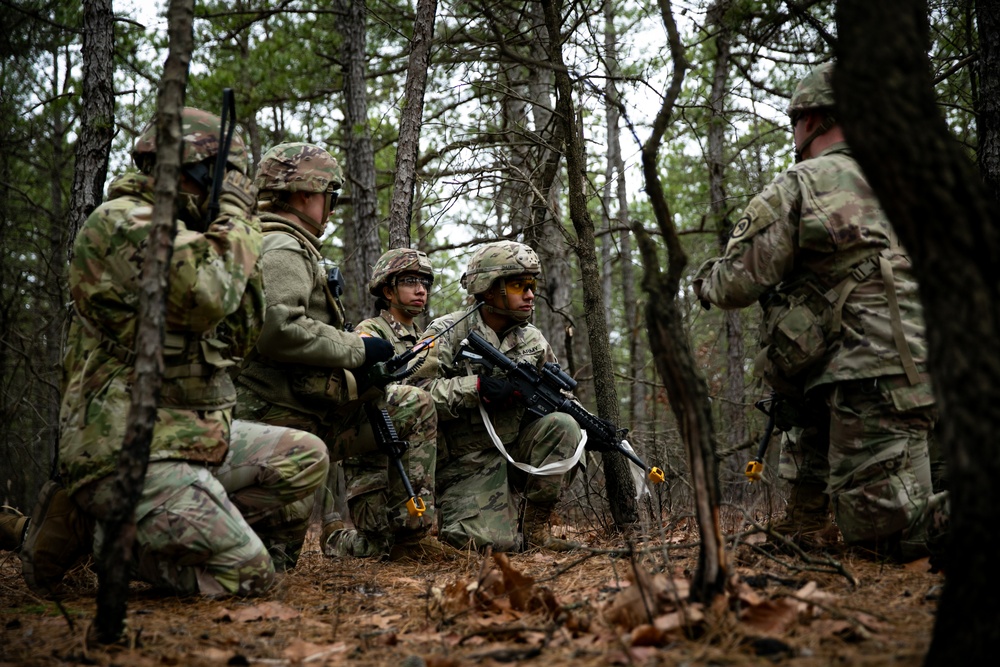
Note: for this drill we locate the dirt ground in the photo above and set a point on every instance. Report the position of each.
(607, 605)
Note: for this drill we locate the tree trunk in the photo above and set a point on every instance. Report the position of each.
(988, 102)
(621, 489)
(93, 149)
(668, 340)
(409, 126)
(732, 411)
(950, 223)
(114, 561)
(363, 244)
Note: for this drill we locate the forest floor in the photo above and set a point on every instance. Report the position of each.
(601, 606)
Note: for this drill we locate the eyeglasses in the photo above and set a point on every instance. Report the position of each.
(413, 281)
(795, 117)
(517, 286)
(333, 191)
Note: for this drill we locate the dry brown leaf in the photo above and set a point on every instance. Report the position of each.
(258, 612)
(215, 655)
(380, 621)
(747, 595)
(772, 617)
(675, 620)
(921, 565)
(521, 589)
(646, 635)
(302, 651)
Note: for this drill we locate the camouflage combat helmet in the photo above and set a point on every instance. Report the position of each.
(298, 167)
(815, 91)
(201, 141)
(500, 259)
(398, 260)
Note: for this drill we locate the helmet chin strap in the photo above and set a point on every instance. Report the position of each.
(410, 310)
(519, 315)
(822, 129)
(307, 219)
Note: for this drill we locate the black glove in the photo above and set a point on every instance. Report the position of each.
(494, 392)
(596, 444)
(376, 350)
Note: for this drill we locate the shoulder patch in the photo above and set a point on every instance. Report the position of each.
(740, 228)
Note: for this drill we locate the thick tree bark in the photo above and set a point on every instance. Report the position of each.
(950, 223)
(988, 103)
(401, 208)
(621, 489)
(114, 561)
(363, 243)
(668, 340)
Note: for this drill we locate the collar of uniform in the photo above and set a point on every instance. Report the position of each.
(274, 218)
(134, 184)
(401, 329)
(839, 147)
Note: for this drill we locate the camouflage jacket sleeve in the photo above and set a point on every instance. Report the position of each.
(761, 249)
(210, 273)
(451, 389)
(297, 320)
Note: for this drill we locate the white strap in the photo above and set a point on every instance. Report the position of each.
(551, 468)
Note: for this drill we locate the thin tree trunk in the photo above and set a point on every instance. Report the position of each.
(114, 561)
(621, 488)
(950, 224)
(732, 412)
(401, 208)
(93, 149)
(363, 243)
(686, 388)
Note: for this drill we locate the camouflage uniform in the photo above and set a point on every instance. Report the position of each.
(820, 220)
(481, 497)
(195, 516)
(297, 375)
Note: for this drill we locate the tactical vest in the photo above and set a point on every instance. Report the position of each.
(802, 321)
(195, 375)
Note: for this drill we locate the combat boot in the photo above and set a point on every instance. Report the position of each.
(354, 543)
(12, 525)
(330, 529)
(537, 529)
(807, 518)
(59, 534)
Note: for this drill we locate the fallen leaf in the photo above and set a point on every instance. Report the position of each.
(771, 617)
(258, 612)
(300, 650)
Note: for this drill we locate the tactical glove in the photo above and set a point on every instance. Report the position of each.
(494, 392)
(238, 195)
(376, 350)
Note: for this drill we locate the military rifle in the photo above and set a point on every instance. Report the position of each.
(540, 392)
(381, 375)
(755, 466)
(222, 157)
(390, 444)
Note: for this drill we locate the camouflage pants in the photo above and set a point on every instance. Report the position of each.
(873, 451)
(375, 492)
(205, 530)
(481, 496)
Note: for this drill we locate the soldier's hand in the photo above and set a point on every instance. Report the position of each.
(376, 350)
(238, 195)
(494, 392)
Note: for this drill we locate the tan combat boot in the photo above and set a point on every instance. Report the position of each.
(537, 529)
(807, 518)
(11, 528)
(59, 534)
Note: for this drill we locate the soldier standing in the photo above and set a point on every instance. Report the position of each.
(306, 368)
(843, 328)
(218, 495)
(484, 499)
